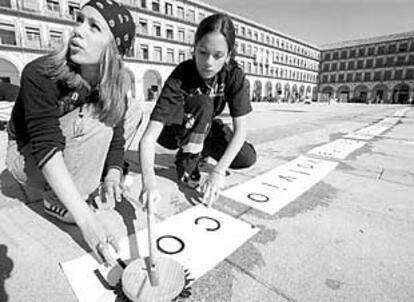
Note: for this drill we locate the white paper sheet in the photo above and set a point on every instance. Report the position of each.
(338, 149)
(378, 128)
(272, 191)
(206, 237)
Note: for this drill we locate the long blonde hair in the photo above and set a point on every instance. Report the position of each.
(114, 82)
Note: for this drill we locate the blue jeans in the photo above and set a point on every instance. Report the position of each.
(87, 144)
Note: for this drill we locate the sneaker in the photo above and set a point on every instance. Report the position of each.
(192, 181)
(58, 211)
(186, 162)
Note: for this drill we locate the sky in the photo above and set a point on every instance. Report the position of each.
(321, 22)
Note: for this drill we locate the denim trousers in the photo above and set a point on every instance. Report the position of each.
(87, 142)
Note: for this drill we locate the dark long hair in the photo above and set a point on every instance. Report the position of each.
(218, 23)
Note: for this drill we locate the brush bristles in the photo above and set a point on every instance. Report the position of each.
(184, 294)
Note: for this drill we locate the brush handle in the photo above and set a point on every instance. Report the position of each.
(151, 265)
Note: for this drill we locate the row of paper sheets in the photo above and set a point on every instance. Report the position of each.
(199, 238)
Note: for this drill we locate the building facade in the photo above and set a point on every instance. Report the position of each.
(278, 67)
(374, 70)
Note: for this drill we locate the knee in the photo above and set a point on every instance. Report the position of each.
(246, 158)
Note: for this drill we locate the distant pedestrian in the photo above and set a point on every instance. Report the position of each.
(72, 118)
(184, 116)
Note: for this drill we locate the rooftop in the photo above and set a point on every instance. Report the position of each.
(371, 40)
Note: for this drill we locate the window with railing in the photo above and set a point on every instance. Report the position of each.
(377, 76)
(144, 52)
(5, 3)
(168, 9)
(53, 6)
(180, 12)
(191, 15)
(170, 55)
(156, 29)
(389, 62)
(181, 35)
(400, 61)
(249, 67)
(398, 75)
(74, 8)
(155, 6)
(403, 47)
(33, 37)
(379, 62)
(31, 5)
(143, 27)
(387, 75)
(181, 56)
(392, 48)
(7, 34)
(201, 16)
(242, 48)
(55, 39)
(169, 33)
(410, 74)
(191, 34)
(249, 50)
(371, 51)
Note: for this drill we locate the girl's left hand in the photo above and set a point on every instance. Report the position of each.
(111, 190)
(211, 187)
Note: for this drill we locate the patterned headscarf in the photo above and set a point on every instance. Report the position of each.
(119, 20)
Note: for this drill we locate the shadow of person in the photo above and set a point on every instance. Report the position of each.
(165, 167)
(10, 187)
(128, 214)
(6, 267)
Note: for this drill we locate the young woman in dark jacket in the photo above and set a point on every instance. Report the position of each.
(184, 116)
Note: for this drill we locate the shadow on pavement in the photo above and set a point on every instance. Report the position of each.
(165, 167)
(10, 187)
(6, 267)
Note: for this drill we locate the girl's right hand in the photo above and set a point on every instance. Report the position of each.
(149, 194)
(98, 237)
